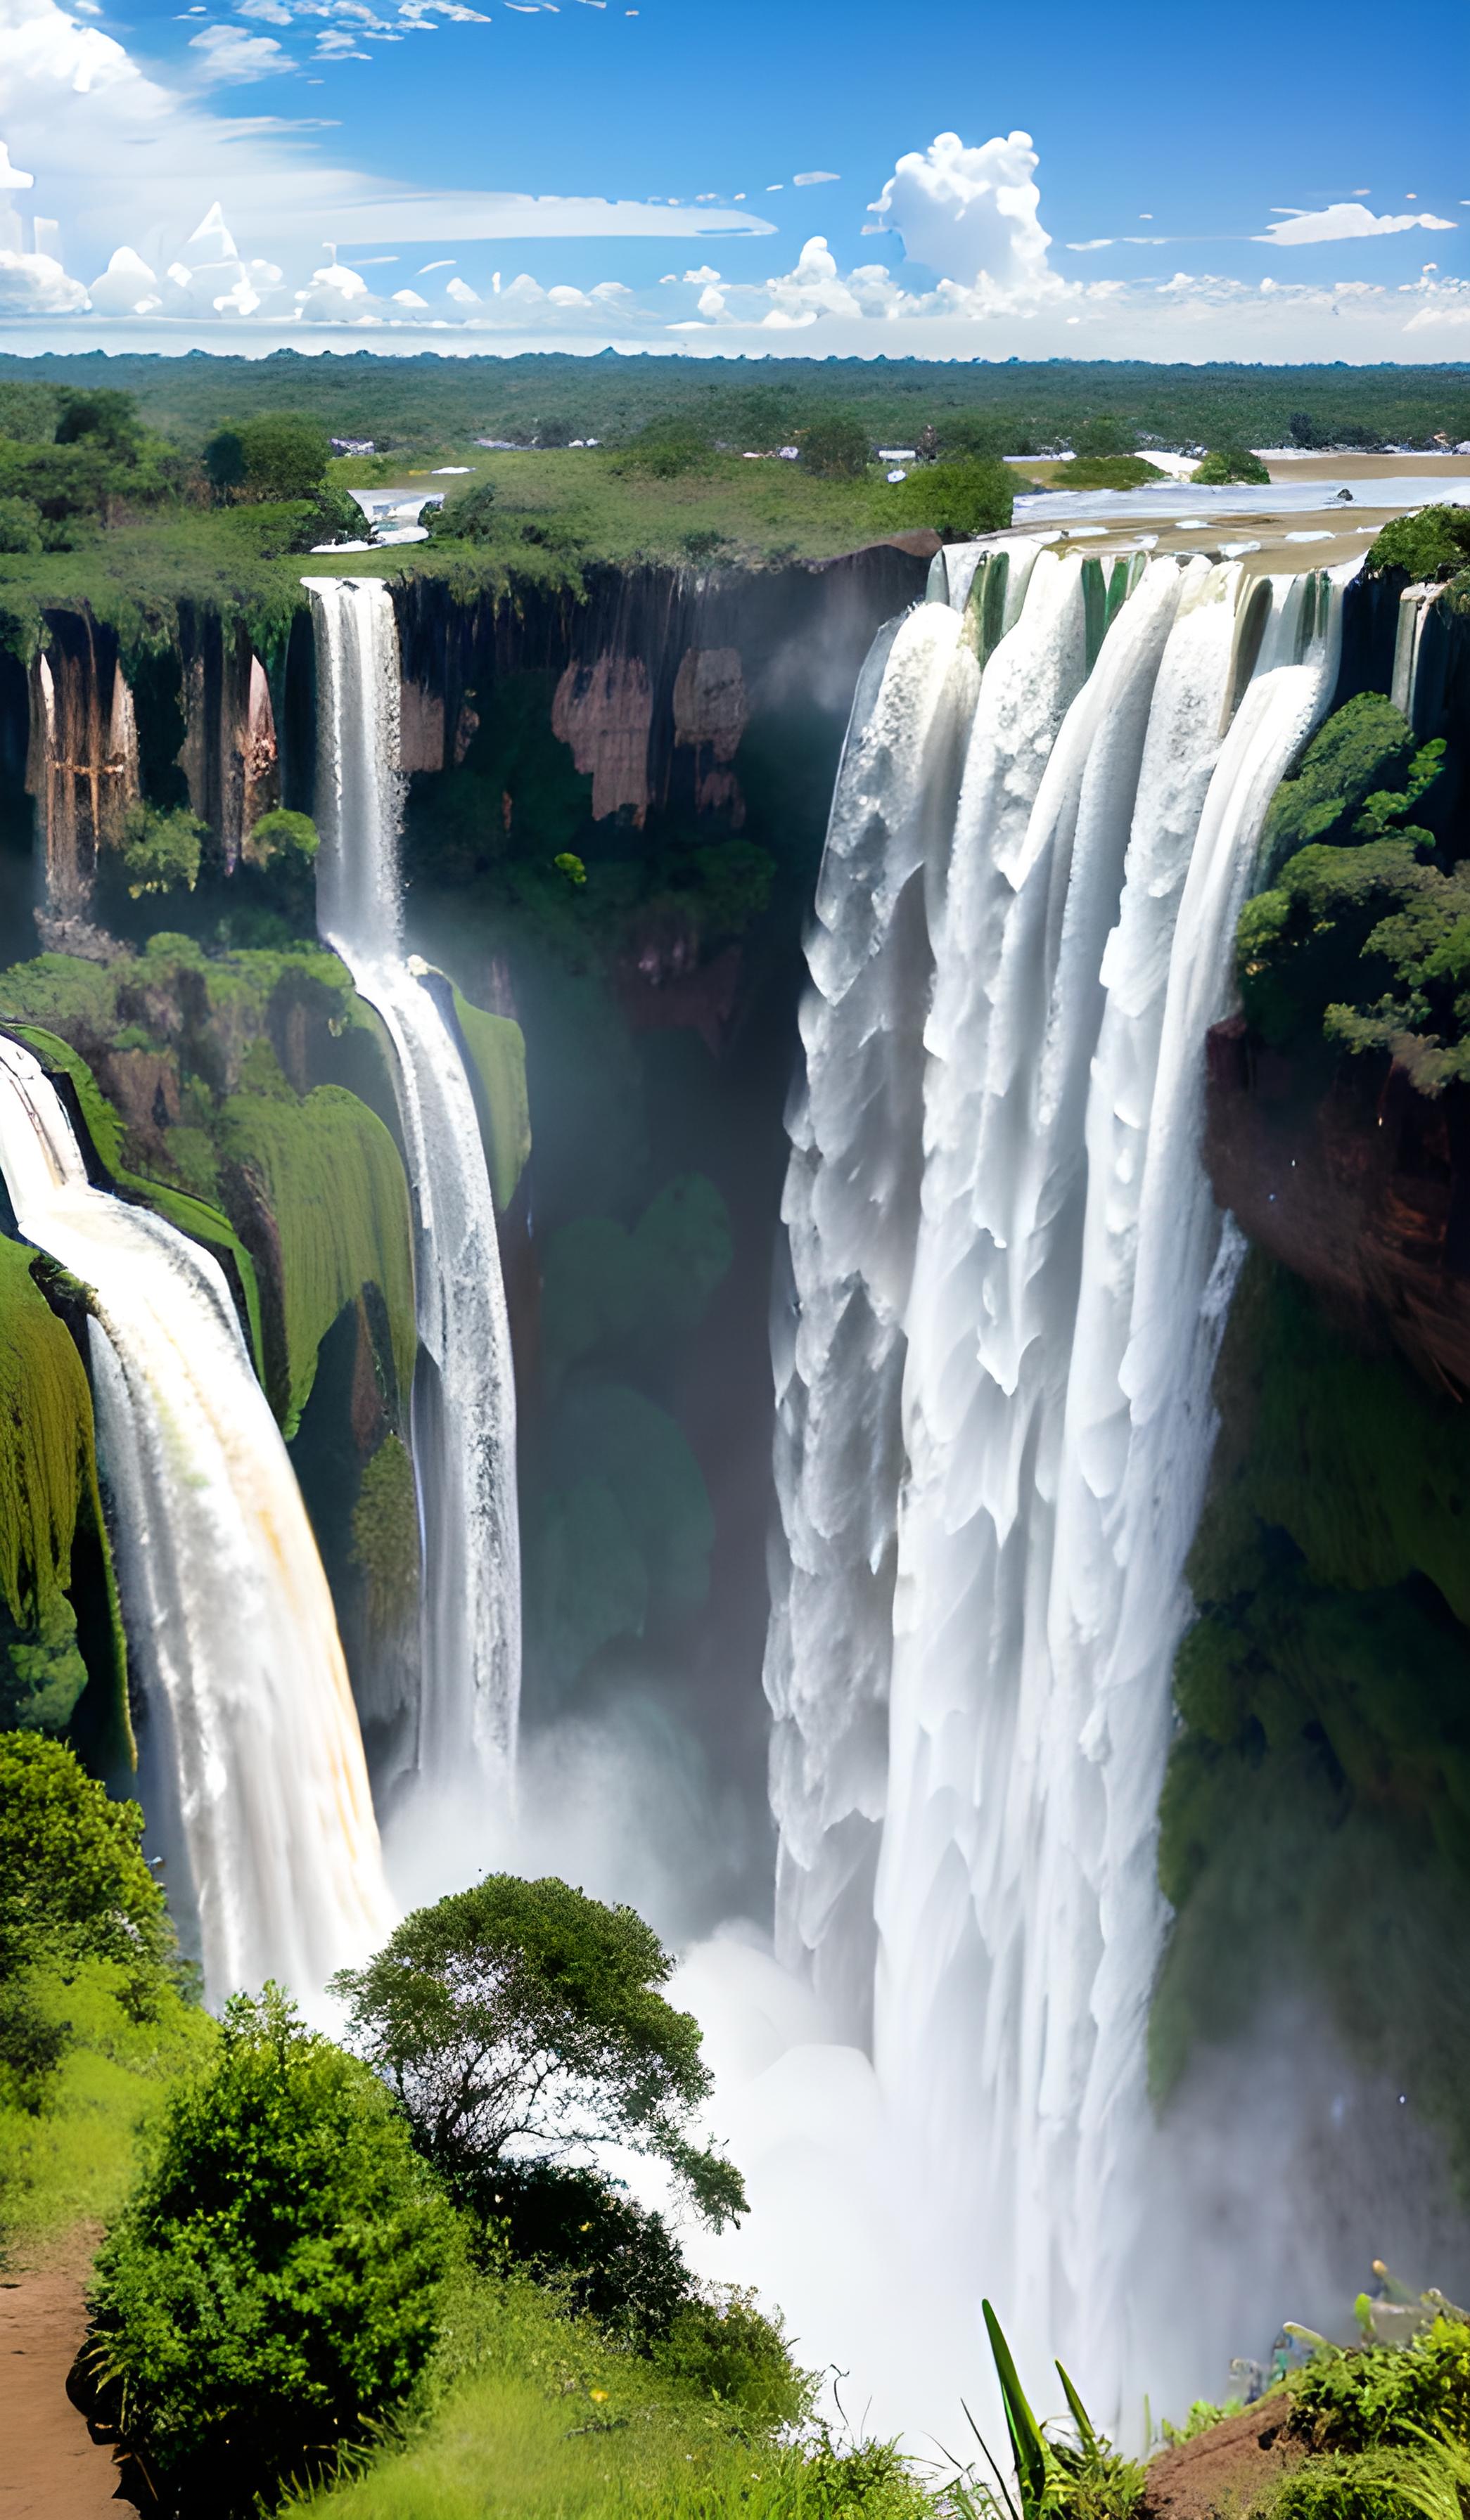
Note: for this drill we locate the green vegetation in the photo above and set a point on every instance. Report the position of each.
(280, 837)
(94, 2015)
(836, 448)
(469, 1998)
(1362, 937)
(1230, 464)
(1431, 545)
(1314, 1829)
(277, 454)
(161, 851)
(331, 1207)
(51, 1519)
(386, 1537)
(961, 499)
(273, 2288)
(496, 1049)
(1062, 2472)
(1105, 473)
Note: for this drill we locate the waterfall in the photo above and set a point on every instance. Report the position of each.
(994, 1422)
(463, 1405)
(253, 1733)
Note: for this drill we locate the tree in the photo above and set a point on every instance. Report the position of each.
(73, 1878)
(103, 414)
(1231, 464)
(272, 2291)
(1435, 543)
(281, 835)
(956, 499)
(279, 454)
(20, 526)
(1103, 434)
(671, 446)
(161, 850)
(835, 447)
(468, 518)
(523, 2017)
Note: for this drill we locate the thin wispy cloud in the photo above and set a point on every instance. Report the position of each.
(1343, 222)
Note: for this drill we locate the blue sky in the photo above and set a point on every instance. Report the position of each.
(1192, 167)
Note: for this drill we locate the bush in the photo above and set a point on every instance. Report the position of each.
(74, 1882)
(281, 836)
(668, 447)
(1433, 544)
(161, 851)
(956, 500)
(273, 2291)
(279, 454)
(523, 2015)
(1230, 464)
(1103, 434)
(20, 526)
(1387, 2395)
(835, 447)
(721, 2345)
(468, 518)
(1106, 473)
(602, 2253)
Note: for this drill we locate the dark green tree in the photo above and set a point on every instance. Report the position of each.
(468, 518)
(1104, 435)
(956, 499)
(523, 2017)
(20, 526)
(101, 414)
(1433, 544)
(73, 1878)
(1231, 464)
(273, 2290)
(835, 447)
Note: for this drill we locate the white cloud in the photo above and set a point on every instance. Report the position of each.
(461, 292)
(36, 283)
(1343, 222)
(230, 54)
(969, 214)
(820, 177)
(409, 298)
(127, 287)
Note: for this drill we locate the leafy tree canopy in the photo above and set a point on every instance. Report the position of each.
(1105, 433)
(1231, 464)
(19, 525)
(956, 499)
(1433, 544)
(272, 2292)
(73, 1878)
(282, 834)
(468, 518)
(523, 2017)
(276, 455)
(161, 850)
(835, 447)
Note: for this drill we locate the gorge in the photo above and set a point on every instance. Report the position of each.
(498, 1247)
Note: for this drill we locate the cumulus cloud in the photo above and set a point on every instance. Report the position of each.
(969, 214)
(127, 287)
(36, 283)
(228, 53)
(1342, 223)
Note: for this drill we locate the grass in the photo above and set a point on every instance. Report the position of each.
(72, 2159)
(534, 2416)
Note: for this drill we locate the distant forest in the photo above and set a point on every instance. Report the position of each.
(429, 402)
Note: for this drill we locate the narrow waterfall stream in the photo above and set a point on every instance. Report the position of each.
(254, 1745)
(464, 1401)
(993, 1388)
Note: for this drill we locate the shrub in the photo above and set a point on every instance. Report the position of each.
(74, 1882)
(604, 2254)
(161, 851)
(1230, 464)
(721, 2345)
(1103, 434)
(468, 518)
(272, 2292)
(20, 526)
(1432, 545)
(1106, 473)
(281, 836)
(523, 2015)
(667, 448)
(1386, 2394)
(835, 447)
(956, 499)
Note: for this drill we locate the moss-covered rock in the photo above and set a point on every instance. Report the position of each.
(1315, 1820)
(319, 1186)
(496, 1049)
(386, 1537)
(49, 1504)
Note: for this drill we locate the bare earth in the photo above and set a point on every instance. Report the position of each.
(1226, 2473)
(50, 2469)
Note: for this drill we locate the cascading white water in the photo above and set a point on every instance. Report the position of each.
(1064, 1273)
(230, 1621)
(464, 1404)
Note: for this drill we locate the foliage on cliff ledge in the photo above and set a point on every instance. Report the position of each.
(49, 1503)
(1362, 936)
(1315, 1819)
(228, 1092)
(1431, 545)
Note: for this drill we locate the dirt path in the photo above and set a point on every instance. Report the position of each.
(50, 2467)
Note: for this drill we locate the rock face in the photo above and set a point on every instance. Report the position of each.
(1357, 1182)
(82, 762)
